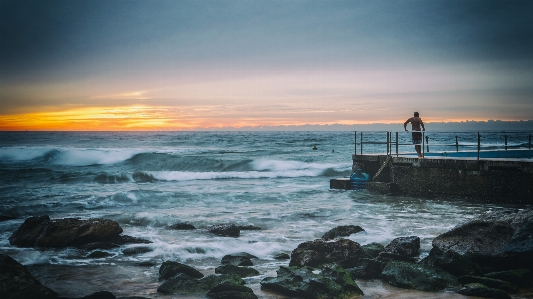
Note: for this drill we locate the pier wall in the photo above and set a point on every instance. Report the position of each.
(490, 180)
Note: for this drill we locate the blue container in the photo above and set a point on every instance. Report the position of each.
(358, 180)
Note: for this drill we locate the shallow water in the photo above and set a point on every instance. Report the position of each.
(148, 181)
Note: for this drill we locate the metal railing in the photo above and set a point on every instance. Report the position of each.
(441, 142)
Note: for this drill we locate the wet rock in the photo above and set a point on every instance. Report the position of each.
(248, 227)
(342, 231)
(367, 268)
(497, 241)
(125, 239)
(100, 295)
(417, 276)
(16, 282)
(479, 290)
(6, 218)
(282, 256)
(451, 262)
(236, 270)
(331, 281)
(228, 290)
(236, 260)
(43, 232)
(170, 268)
(137, 250)
(489, 282)
(407, 246)
(519, 277)
(373, 249)
(385, 257)
(184, 284)
(225, 230)
(99, 245)
(133, 297)
(99, 254)
(245, 254)
(182, 226)
(319, 252)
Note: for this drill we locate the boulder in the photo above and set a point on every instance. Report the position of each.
(489, 282)
(417, 276)
(282, 256)
(16, 282)
(99, 245)
(319, 252)
(43, 232)
(137, 250)
(519, 277)
(225, 230)
(182, 226)
(125, 239)
(184, 284)
(342, 231)
(100, 295)
(385, 257)
(245, 254)
(236, 270)
(367, 268)
(236, 260)
(331, 281)
(169, 268)
(479, 290)
(497, 241)
(407, 246)
(228, 290)
(373, 249)
(97, 254)
(452, 262)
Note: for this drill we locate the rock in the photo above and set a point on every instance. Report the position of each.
(451, 262)
(519, 277)
(367, 268)
(342, 231)
(417, 276)
(236, 260)
(182, 226)
(497, 241)
(407, 246)
(489, 282)
(236, 270)
(248, 227)
(100, 295)
(6, 218)
(225, 230)
(227, 290)
(125, 239)
(479, 290)
(98, 254)
(331, 281)
(184, 284)
(132, 297)
(385, 257)
(137, 250)
(373, 249)
(170, 268)
(16, 282)
(319, 252)
(43, 232)
(99, 245)
(282, 256)
(245, 254)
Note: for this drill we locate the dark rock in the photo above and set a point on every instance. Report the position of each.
(182, 226)
(319, 252)
(342, 231)
(137, 250)
(184, 284)
(417, 276)
(6, 217)
(519, 277)
(43, 232)
(479, 290)
(132, 297)
(497, 241)
(225, 230)
(236, 260)
(331, 281)
(367, 268)
(99, 245)
(170, 268)
(282, 256)
(236, 270)
(245, 254)
(98, 254)
(228, 290)
(452, 262)
(408, 246)
(489, 282)
(385, 257)
(248, 227)
(16, 282)
(125, 239)
(373, 249)
(100, 295)
(146, 264)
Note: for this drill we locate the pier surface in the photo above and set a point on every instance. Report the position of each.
(491, 180)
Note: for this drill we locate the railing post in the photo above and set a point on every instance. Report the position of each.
(427, 143)
(361, 143)
(529, 141)
(456, 144)
(388, 143)
(505, 142)
(397, 143)
(355, 143)
(423, 144)
(478, 144)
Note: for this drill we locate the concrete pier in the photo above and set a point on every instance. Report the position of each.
(490, 180)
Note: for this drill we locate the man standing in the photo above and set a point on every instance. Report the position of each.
(416, 123)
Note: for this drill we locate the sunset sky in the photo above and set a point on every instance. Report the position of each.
(172, 65)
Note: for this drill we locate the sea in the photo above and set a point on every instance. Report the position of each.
(147, 181)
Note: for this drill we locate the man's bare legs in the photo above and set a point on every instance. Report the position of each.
(419, 150)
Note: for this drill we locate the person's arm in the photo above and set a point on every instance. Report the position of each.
(405, 125)
(422, 124)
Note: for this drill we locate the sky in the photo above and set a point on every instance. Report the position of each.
(189, 65)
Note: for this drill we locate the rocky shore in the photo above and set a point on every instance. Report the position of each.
(490, 256)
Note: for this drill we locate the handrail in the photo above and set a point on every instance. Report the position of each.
(443, 140)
